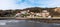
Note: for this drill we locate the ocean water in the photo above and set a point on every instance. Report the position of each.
(26, 23)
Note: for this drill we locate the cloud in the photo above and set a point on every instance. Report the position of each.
(21, 4)
(13, 4)
(6, 4)
(52, 3)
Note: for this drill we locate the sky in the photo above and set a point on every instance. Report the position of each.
(21, 4)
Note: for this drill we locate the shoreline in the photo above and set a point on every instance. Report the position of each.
(45, 20)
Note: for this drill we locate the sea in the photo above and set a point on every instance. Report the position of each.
(26, 23)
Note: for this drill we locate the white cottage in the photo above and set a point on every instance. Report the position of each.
(45, 13)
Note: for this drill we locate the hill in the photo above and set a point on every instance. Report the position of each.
(8, 13)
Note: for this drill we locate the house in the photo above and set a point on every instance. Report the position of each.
(45, 13)
(38, 14)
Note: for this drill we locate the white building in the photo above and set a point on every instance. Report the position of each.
(45, 13)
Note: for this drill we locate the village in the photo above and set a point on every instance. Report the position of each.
(27, 14)
(34, 12)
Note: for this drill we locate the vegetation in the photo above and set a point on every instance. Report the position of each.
(11, 13)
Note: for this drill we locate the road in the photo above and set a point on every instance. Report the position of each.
(26, 23)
